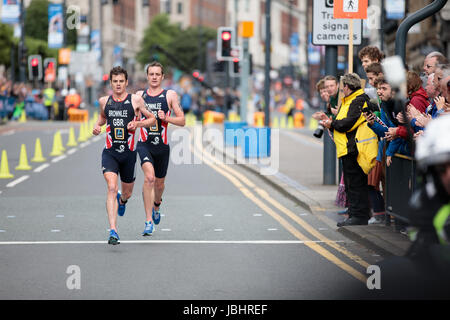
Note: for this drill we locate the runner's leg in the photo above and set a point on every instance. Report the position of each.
(159, 189)
(148, 189)
(111, 200)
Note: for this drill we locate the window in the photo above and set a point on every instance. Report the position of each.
(180, 8)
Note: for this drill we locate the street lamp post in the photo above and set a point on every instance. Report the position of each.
(267, 67)
(22, 48)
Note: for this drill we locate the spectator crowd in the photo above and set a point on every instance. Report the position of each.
(351, 103)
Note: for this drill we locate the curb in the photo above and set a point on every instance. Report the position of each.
(358, 234)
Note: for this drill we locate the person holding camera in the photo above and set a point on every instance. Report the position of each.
(344, 128)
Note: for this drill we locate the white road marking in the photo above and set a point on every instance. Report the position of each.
(2, 230)
(207, 215)
(59, 158)
(323, 229)
(166, 230)
(72, 151)
(170, 242)
(95, 139)
(84, 144)
(61, 216)
(272, 229)
(218, 230)
(17, 181)
(55, 230)
(41, 167)
(257, 215)
(10, 217)
(9, 133)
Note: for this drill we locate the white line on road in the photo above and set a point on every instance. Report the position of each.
(72, 151)
(10, 217)
(42, 167)
(272, 229)
(84, 144)
(257, 215)
(218, 230)
(166, 230)
(207, 215)
(9, 133)
(59, 158)
(55, 230)
(170, 242)
(60, 216)
(17, 181)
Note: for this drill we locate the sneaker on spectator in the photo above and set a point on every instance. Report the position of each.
(377, 219)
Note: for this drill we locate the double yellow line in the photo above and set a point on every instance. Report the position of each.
(246, 186)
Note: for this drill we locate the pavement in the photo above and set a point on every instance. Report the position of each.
(299, 176)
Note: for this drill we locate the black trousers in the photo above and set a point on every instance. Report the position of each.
(356, 187)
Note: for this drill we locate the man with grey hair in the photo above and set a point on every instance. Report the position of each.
(432, 60)
(348, 119)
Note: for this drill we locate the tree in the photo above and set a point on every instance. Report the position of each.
(183, 45)
(160, 32)
(36, 20)
(187, 47)
(6, 43)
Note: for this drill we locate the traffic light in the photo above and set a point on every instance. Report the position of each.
(49, 69)
(236, 66)
(35, 67)
(225, 39)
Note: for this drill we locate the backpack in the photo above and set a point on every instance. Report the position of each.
(367, 145)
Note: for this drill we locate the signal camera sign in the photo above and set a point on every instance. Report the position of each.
(330, 31)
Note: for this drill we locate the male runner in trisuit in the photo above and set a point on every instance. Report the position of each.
(120, 112)
(153, 147)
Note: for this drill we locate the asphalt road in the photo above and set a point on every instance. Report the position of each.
(224, 233)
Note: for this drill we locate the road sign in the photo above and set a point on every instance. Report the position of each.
(350, 9)
(330, 31)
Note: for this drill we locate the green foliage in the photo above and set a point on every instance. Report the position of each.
(36, 20)
(6, 43)
(183, 45)
(160, 32)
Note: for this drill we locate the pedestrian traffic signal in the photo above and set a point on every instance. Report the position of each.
(35, 67)
(225, 38)
(49, 69)
(236, 65)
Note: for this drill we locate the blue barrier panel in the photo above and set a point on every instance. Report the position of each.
(229, 128)
(255, 142)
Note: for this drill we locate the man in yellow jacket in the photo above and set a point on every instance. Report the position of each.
(344, 127)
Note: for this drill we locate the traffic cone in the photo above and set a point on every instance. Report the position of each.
(82, 135)
(275, 123)
(38, 152)
(23, 117)
(72, 141)
(283, 122)
(4, 168)
(57, 145)
(60, 143)
(23, 160)
(259, 122)
(290, 122)
(313, 123)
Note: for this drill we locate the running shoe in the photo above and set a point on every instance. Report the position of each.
(113, 237)
(378, 219)
(149, 228)
(121, 207)
(156, 216)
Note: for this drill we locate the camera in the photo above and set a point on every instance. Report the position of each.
(318, 132)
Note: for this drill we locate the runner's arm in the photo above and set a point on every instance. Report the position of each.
(174, 104)
(101, 117)
(139, 103)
